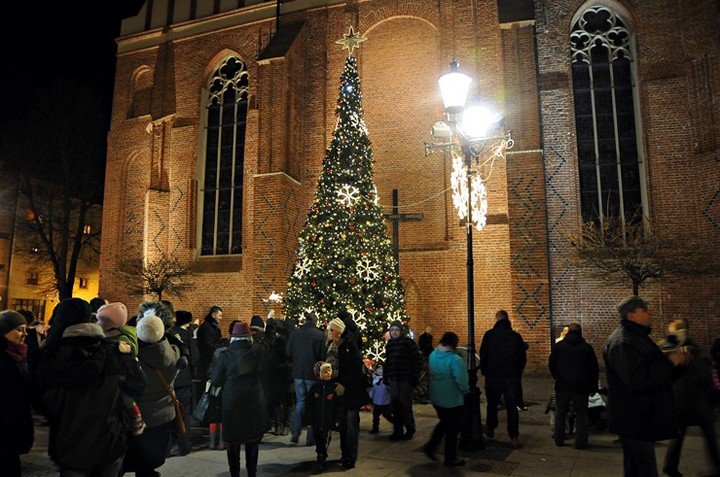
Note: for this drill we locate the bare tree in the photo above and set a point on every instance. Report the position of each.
(53, 155)
(164, 275)
(633, 253)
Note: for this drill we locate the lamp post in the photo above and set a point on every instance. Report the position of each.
(475, 137)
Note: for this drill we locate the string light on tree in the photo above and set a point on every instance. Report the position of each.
(344, 257)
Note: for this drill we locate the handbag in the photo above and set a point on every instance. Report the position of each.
(179, 419)
(206, 410)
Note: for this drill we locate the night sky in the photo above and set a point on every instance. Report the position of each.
(58, 50)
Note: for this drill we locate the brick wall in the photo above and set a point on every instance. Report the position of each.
(520, 257)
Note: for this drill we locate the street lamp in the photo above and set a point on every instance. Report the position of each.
(475, 137)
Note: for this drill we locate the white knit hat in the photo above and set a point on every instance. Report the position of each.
(150, 329)
(337, 324)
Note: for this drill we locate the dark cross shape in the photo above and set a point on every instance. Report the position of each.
(396, 218)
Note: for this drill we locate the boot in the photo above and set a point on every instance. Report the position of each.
(213, 436)
(221, 443)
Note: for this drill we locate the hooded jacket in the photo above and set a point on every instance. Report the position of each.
(502, 352)
(81, 384)
(155, 403)
(402, 358)
(574, 365)
(448, 378)
(323, 406)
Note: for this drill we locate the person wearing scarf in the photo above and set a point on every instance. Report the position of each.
(16, 395)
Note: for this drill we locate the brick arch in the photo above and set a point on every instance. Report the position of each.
(426, 13)
(620, 9)
(141, 77)
(218, 58)
(141, 84)
(413, 302)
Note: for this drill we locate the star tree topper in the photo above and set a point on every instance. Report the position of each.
(351, 40)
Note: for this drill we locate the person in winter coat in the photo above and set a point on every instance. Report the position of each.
(574, 366)
(640, 397)
(112, 318)
(323, 410)
(159, 359)
(380, 395)
(502, 361)
(351, 386)
(305, 347)
(16, 393)
(82, 378)
(244, 410)
(692, 392)
(275, 376)
(183, 381)
(208, 335)
(448, 387)
(401, 373)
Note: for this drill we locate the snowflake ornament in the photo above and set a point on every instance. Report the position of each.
(367, 271)
(359, 318)
(348, 195)
(302, 268)
(376, 351)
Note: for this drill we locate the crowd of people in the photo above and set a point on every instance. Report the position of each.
(119, 392)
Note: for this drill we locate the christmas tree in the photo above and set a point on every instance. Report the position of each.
(344, 256)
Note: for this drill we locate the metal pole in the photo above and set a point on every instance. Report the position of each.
(471, 437)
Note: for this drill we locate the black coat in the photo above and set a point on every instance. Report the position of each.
(81, 382)
(640, 397)
(350, 374)
(208, 335)
(502, 352)
(305, 347)
(323, 406)
(403, 360)
(574, 365)
(274, 367)
(185, 375)
(244, 410)
(693, 391)
(16, 398)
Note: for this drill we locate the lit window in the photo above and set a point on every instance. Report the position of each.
(605, 117)
(222, 182)
(82, 282)
(87, 230)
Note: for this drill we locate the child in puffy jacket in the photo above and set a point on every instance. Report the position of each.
(380, 396)
(112, 318)
(323, 410)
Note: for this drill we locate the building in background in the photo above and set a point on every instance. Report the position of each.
(221, 119)
(26, 280)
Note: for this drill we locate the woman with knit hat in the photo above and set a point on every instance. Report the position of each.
(16, 425)
(244, 410)
(159, 359)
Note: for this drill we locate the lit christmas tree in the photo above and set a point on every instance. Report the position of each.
(344, 256)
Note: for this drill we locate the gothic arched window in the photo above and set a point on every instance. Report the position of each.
(226, 105)
(611, 182)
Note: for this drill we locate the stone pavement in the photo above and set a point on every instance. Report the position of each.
(380, 457)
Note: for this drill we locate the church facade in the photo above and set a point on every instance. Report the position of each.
(223, 111)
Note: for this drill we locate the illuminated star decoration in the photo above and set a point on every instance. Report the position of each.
(351, 40)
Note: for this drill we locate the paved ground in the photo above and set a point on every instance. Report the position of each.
(379, 457)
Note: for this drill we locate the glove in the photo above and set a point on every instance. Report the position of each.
(182, 363)
(339, 389)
